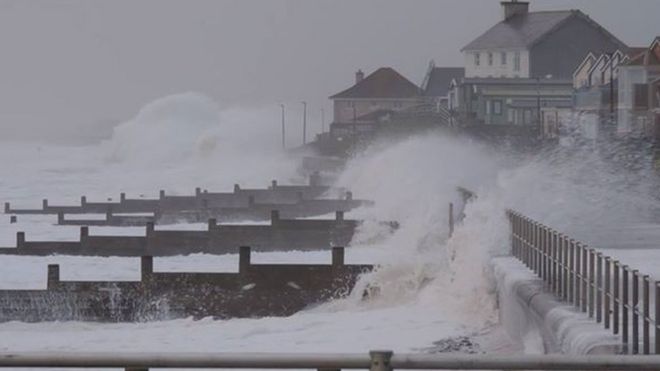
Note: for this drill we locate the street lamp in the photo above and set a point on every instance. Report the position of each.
(283, 132)
(304, 122)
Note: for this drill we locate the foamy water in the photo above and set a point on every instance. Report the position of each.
(431, 287)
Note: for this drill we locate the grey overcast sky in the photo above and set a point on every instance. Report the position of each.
(72, 63)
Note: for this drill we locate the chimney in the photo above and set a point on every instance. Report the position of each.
(359, 76)
(514, 7)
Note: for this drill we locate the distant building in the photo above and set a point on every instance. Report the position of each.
(595, 97)
(520, 71)
(638, 94)
(371, 100)
(437, 84)
(384, 89)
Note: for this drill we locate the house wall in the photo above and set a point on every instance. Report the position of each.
(560, 52)
(496, 69)
(632, 120)
(581, 76)
(346, 110)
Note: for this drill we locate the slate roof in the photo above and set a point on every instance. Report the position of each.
(385, 82)
(440, 78)
(520, 31)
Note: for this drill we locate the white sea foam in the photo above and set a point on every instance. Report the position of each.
(429, 287)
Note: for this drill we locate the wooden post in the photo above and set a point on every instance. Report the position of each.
(146, 267)
(274, 217)
(53, 276)
(84, 232)
(20, 239)
(212, 223)
(337, 257)
(244, 259)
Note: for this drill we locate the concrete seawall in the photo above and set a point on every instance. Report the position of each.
(535, 318)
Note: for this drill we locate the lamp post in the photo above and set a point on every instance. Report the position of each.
(283, 130)
(611, 60)
(538, 106)
(304, 122)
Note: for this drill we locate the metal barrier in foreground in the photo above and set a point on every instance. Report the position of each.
(374, 361)
(591, 281)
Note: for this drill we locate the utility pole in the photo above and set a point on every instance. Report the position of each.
(283, 132)
(322, 121)
(304, 122)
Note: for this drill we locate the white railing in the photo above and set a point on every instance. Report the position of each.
(374, 361)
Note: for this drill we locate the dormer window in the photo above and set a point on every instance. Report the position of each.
(490, 59)
(477, 60)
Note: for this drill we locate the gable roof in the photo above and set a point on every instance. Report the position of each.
(526, 30)
(385, 82)
(519, 31)
(650, 56)
(440, 78)
(588, 62)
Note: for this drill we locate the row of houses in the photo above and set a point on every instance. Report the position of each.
(532, 70)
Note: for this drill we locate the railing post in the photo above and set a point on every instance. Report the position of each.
(646, 315)
(571, 271)
(585, 262)
(578, 274)
(558, 259)
(599, 287)
(606, 293)
(544, 248)
(535, 248)
(565, 278)
(380, 360)
(635, 312)
(656, 320)
(625, 308)
(616, 301)
(592, 283)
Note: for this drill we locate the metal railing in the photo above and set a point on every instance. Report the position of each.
(593, 282)
(374, 361)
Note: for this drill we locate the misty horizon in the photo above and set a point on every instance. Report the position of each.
(76, 68)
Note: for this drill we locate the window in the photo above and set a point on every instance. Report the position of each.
(503, 58)
(490, 59)
(516, 61)
(497, 107)
(476, 59)
(527, 116)
(488, 111)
